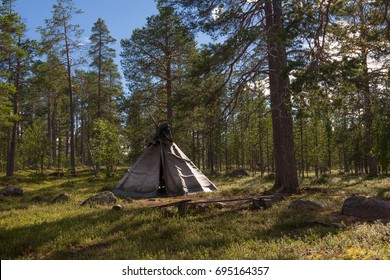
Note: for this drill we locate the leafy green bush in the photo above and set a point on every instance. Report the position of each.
(106, 146)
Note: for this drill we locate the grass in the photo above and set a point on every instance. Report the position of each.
(33, 228)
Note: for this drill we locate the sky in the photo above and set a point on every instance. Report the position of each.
(120, 16)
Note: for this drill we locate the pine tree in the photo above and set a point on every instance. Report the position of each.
(361, 35)
(254, 36)
(101, 54)
(154, 58)
(12, 53)
(62, 37)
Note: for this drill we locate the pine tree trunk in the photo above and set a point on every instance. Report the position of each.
(261, 148)
(71, 105)
(100, 80)
(49, 130)
(169, 95)
(302, 148)
(367, 112)
(13, 136)
(371, 160)
(285, 167)
(59, 156)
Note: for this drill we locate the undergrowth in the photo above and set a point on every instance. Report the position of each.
(31, 227)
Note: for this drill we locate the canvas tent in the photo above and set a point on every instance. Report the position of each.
(163, 169)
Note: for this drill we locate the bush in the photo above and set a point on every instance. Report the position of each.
(107, 146)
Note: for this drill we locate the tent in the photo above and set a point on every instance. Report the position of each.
(163, 169)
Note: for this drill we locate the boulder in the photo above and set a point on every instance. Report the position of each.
(106, 197)
(117, 207)
(61, 198)
(305, 205)
(369, 208)
(12, 191)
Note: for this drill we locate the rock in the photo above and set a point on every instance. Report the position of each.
(239, 173)
(61, 198)
(305, 205)
(262, 203)
(369, 208)
(106, 197)
(12, 191)
(117, 207)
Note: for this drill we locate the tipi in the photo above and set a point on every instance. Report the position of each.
(163, 169)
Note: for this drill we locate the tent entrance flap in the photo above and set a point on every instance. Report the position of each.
(161, 186)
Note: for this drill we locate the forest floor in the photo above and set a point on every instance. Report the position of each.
(31, 227)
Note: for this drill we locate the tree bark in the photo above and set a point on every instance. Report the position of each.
(302, 169)
(365, 86)
(286, 179)
(13, 132)
(169, 89)
(71, 104)
(100, 65)
(371, 160)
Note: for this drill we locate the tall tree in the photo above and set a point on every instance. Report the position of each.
(101, 54)
(286, 174)
(254, 36)
(13, 53)
(47, 87)
(154, 58)
(361, 34)
(62, 37)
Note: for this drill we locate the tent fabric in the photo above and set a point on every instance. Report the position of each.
(163, 164)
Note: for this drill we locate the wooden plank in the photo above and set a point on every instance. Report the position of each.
(176, 203)
(266, 201)
(228, 200)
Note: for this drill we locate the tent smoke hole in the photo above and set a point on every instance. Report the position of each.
(163, 169)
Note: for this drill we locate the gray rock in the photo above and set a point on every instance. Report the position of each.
(305, 205)
(61, 198)
(262, 203)
(12, 191)
(117, 207)
(106, 197)
(369, 208)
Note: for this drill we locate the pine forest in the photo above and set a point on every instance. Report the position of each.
(286, 91)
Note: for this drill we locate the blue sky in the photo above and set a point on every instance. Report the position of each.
(121, 16)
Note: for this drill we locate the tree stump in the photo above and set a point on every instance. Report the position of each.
(182, 208)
